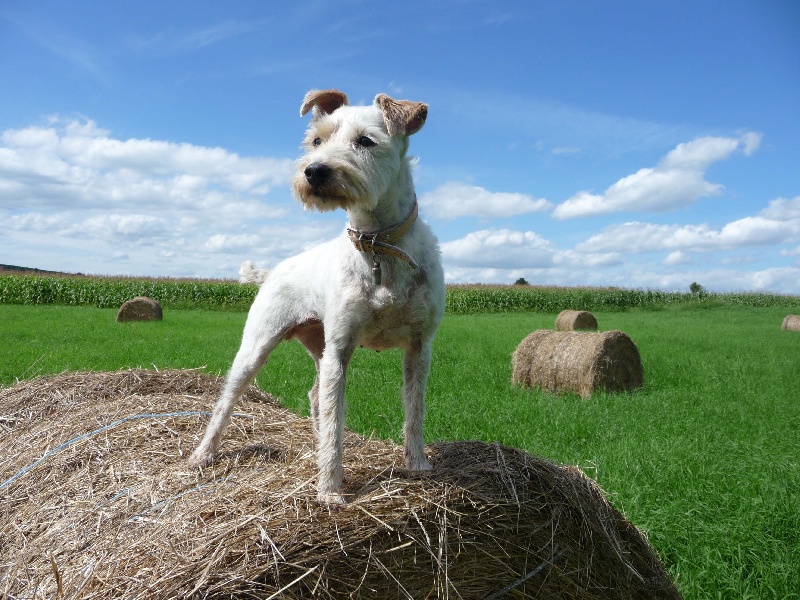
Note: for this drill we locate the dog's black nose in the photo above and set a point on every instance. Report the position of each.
(317, 173)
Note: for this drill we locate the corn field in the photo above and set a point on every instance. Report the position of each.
(111, 292)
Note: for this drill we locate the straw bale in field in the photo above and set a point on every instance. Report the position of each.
(140, 308)
(576, 320)
(577, 361)
(96, 502)
(791, 323)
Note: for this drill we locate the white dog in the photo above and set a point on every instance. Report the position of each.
(378, 285)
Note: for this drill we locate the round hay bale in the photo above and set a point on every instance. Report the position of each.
(97, 503)
(576, 320)
(140, 308)
(791, 323)
(580, 362)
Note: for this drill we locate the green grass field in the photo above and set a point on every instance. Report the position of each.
(704, 459)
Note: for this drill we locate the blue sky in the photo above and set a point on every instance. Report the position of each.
(643, 144)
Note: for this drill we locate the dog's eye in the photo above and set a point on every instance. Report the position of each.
(365, 142)
(316, 142)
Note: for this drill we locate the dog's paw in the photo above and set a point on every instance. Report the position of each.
(331, 499)
(420, 464)
(199, 459)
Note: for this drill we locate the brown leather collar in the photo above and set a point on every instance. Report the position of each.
(381, 242)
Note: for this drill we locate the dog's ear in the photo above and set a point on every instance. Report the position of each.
(323, 102)
(402, 117)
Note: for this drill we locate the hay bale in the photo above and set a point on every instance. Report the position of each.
(576, 320)
(96, 502)
(791, 323)
(140, 308)
(579, 362)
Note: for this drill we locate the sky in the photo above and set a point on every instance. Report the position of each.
(638, 144)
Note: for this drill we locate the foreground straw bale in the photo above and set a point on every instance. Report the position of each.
(791, 323)
(95, 502)
(576, 320)
(577, 361)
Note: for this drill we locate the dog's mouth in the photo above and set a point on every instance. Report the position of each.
(321, 199)
(324, 196)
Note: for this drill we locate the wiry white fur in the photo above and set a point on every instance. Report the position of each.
(250, 273)
(326, 297)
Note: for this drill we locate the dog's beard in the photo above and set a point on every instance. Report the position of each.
(338, 192)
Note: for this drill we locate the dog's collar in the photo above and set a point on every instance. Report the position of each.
(382, 241)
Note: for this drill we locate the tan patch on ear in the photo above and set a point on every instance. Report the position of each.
(323, 102)
(402, 117)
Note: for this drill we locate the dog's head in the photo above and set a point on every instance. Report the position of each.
(354, 154)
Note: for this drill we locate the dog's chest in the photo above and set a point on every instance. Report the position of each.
(392, 321)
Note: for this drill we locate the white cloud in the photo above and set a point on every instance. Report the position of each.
(499, 248)
(582, 260)
(37, 222)
(453, 200)
(777, 279)
(782, 280)
(79, 196)
(678, 180)
(782, 209)
(133, 228)
(677, 258)
(751, 141)
(779, 223)
(232, 242)
(78, 163)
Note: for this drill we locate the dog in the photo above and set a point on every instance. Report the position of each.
(378, 285)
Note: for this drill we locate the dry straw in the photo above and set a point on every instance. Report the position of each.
(791, 323)
(576, 320)
(96, 503)
(579, 362)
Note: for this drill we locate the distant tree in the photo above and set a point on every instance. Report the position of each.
(521, 281)
(696, 289)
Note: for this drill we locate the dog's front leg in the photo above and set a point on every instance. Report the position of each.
(416, 365)
(330, 420)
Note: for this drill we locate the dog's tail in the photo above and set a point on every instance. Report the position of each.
(250, 273)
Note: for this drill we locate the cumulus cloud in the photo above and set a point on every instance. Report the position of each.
(777, 224)
(78, 163)
(499, 248)
(679, 257)
(774, 279)
(582, 260)
(232, 242)
(782, 209)
(618, 255)
(70, 182)
(453, 200)
(678, 180)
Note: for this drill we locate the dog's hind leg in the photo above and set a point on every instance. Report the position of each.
(258, 340)
(312, 335)
(416, 365)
